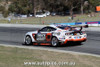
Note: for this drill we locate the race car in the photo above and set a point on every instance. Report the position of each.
(55, 35)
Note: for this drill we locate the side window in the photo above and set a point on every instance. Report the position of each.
(44, 29)
(49, 29)
(53, 29)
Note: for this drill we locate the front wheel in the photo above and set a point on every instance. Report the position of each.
(28, 40)
(54, 42)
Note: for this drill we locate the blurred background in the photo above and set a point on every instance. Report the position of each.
(48, 11)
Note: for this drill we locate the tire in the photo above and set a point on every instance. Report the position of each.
(28, 40)
(54, 42)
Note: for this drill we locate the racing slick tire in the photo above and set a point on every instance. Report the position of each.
(28, 40)
(54, 42)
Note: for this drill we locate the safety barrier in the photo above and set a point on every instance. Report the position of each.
(66, 23)
(90, 23)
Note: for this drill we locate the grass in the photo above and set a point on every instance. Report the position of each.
(52, 19)
(15, 57)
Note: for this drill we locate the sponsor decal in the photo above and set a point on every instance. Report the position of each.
(40, 37)
(48, 36)
(92, 22)
(61, 38)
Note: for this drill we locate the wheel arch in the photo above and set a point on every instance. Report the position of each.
(30, 36)
(54, 36)
(58, 43)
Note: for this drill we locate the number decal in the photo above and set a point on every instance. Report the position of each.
(40, 37)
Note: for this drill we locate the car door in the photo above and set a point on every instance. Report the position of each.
(44, 35)
(41, 35)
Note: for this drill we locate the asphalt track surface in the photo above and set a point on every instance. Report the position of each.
(15, 36)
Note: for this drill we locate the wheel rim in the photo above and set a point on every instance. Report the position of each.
(28, 40)
(54, 41)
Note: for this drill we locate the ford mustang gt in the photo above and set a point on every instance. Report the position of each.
(55, 35)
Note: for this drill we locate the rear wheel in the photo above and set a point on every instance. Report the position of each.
(54, 41)
(28, 40)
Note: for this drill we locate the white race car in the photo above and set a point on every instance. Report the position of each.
(55, 35)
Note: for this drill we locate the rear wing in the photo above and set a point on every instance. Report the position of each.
(85, 26)
(72, 28)
(81, 27)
